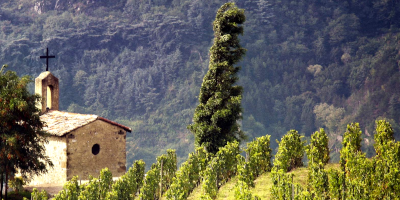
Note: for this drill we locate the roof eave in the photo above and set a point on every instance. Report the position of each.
(116, 124)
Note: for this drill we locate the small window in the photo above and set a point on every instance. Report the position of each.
(95, 149)
(49, 97)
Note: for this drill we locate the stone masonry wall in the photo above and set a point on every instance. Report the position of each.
(44, 80)
(56, 149)
(111, 142)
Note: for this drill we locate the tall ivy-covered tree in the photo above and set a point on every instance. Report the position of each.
(21, 134)
(215, 121)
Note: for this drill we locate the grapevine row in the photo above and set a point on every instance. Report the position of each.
(358, 178)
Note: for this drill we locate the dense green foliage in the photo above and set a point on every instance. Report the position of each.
(283, 187)
(21, 136)
(159, 178)
(126, 187)
(309, 64)
(289, 156)
(258, 154)
(290, 152)
(318, 157)
(245, 180)
(359, 177)
(318, 150)
(215, 121)
(92, 190)
(220, 169)
(189, 175)
(16, 184)
(36, 195)
(130, 183)
(387, 163)
(71, 190)
(228, 162)
(362, 178)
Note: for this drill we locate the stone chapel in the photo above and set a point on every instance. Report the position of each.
(80, 144)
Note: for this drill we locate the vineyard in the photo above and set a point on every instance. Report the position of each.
(358, 177)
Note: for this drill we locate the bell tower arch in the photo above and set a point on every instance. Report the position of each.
(46, 85)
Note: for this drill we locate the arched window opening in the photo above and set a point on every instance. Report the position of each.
(49, 96)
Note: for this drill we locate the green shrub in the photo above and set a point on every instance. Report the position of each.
(318, 156)
(318, 150)
(36, 195)
(91, 190)
(335, 180)
(220, 169)
(245, 180)
(71, 190)
(188, 176)
(160, 174)
(16, 184)
(386, 179)
(106, 180)
(290, 152)
(259, 155)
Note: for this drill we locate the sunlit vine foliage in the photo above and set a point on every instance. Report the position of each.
(188, 176)
(36, 195)
(290, 152)
(245, 180)
(387, 163)
(103, 187)
(129, 184)
(359, 177)
(258, 153)
(318, 156)
(159, 177)
(220, 169)
(284, 188)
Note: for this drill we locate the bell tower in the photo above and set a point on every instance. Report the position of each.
(46, 85)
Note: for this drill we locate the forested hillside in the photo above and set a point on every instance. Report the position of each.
(309, 64)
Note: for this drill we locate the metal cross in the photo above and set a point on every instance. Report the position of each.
(47, 58)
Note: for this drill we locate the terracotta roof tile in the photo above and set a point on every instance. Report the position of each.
(60, 123)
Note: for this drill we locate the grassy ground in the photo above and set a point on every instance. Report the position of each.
(195, 193)
(227, 191)
(262, 187)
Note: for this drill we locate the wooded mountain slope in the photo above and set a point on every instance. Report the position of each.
(309, 63)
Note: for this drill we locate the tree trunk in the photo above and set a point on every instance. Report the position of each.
(5, 195)
(1, 184)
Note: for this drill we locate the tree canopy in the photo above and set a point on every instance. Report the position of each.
(309, 64)
(21, 134)
(215, 121)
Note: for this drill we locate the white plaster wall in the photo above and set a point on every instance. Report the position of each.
(56, 149)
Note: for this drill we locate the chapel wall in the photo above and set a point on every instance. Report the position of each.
(56, 150)
(112, 151)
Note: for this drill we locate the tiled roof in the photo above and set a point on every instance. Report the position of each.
(60, 123)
